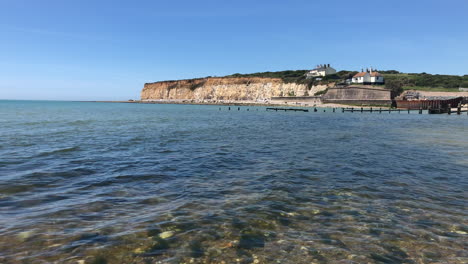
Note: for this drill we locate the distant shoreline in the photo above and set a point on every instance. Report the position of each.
(238, 103)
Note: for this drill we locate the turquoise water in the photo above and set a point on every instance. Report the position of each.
(142, 183)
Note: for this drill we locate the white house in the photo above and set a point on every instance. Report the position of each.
(370, 76)
(321, 70)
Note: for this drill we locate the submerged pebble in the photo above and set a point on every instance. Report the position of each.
(166, 234)
(25, 235)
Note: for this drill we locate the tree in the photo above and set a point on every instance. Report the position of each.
(395, 85)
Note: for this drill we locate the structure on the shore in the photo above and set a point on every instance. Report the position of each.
(320, 71)
(358, 95)
(417, 100)
(368, 77)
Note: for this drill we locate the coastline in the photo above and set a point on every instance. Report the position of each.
(230, 103)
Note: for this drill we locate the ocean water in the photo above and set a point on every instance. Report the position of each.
(147, 183)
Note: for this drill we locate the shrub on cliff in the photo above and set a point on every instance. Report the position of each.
(321, 92)
(426, 80)
(286, 76)
(395, 85)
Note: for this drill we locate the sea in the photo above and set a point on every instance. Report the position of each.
(89, 182)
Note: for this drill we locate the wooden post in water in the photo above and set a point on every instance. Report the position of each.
(371, 109)
(459, 109)
(333, 109)
(238, 108)
(420, 110)
(449, 109)
(408, 111)
(229, 108)
(362, 109)
(342, 110)
(380, 110)
(352, 109)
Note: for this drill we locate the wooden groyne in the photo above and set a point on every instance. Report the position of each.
(449, 110)
(287, 109)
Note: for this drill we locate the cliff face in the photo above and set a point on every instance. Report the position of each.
(249, 89)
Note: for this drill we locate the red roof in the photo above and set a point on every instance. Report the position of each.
(361, 74)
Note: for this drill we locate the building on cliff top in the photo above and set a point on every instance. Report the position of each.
(368, 77)
(321, 70)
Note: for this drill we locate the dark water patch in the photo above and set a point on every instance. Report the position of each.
(80, 122)
(394, 255)
(40, 180)
(196, 249)
(251, 238)
(318, 256)
(158, 247)
(85, 239)
(58, 151)
(99, 260)
(37, 123)
(129, 179)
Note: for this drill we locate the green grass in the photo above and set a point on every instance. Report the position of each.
(286, 76)
(416, 81)
(430, 89)
(427, 81)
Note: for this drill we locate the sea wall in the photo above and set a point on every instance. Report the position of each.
(225, 89)
(358, 95)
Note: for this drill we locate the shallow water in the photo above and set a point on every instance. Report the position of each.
(142, 183)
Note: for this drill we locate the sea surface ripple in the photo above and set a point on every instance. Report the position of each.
(145, 183)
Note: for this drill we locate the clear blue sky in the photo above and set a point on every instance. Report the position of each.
(107, 50)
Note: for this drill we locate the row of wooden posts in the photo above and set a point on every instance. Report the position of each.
(459, 109)
(361, 110)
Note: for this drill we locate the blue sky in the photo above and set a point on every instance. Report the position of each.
(107, 50)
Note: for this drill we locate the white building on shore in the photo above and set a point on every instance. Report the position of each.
(368, 77)
(320, 71)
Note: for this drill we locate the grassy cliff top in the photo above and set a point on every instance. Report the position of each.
(420, 81)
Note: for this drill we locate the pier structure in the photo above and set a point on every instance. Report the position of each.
(449, 110)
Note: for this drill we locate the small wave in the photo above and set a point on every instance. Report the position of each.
(80, 122)
(36, 123)
(127, 179)
(58, 151)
